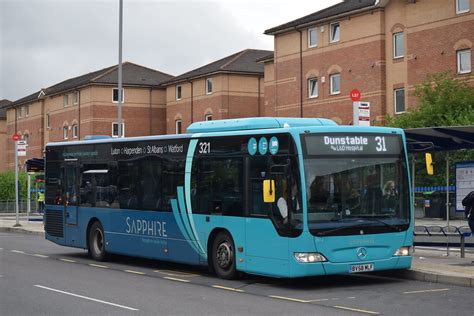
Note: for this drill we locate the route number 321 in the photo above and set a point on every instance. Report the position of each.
(380, 143)
(204, 147)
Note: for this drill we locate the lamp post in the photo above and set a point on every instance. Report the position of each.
(120, 94)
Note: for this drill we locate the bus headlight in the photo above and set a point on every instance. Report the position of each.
(403, 251)
(309, 257)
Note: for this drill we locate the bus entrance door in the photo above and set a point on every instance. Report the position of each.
(71, 193)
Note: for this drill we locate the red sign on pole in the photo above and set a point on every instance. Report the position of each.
(355, 95)
(16, 137)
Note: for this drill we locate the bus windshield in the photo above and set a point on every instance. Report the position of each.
(354, 188)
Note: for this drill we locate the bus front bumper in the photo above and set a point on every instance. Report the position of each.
(326, 268)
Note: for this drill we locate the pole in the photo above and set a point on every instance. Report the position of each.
(413, 184)
(447, 201)
(28, 202)
(17, 207)
(120, 95)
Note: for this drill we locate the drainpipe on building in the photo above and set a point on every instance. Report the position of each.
(78, 114)
(301, 72)
(259, 111)
(192, 101)
(151, 120)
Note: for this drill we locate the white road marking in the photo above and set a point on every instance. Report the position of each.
(289, 299)
(67, 260)
(227, 288)
(177, 273)
(426, 291)
(87, 298)
(18, 251)
(176, 279)
(40, 256)
(98, 266)
(135, 272)
(357, 310)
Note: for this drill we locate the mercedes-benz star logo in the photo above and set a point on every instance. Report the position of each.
(361, 253)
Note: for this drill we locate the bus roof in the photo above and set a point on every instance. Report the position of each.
(252, 123)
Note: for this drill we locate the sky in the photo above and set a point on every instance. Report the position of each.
(43, 42)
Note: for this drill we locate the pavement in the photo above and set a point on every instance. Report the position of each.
(430, 264)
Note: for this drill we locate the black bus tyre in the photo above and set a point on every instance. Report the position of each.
(223, 256)
(96, 244)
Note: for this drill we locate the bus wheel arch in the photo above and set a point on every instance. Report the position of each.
(96, 240)
(222, 254)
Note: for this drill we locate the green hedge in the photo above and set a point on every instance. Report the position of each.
(7, 185)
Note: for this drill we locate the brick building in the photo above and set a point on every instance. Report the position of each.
(3, 134)
(381, 47)
(87, 105)
(231, 87)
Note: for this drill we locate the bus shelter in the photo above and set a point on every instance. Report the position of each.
(439, 139)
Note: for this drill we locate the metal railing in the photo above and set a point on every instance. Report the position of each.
(8, 206)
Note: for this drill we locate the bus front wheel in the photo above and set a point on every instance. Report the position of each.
(97, 242)
(223, 256)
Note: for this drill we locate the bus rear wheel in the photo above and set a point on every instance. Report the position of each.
(223, 256)
(96, 244)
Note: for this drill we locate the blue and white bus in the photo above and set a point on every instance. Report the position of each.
(281, 197)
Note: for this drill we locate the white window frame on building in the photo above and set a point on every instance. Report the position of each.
(20, 112)
(464, 66)
(332, 29)
(48, 121)
(26, 138)
(460, 3)
(115, 129)
(313, 82)
(75, 131)
(209, 86)
(395, 103)
(313, 30)
(75, 98)
(208, 117)
(331, 84)
(179, 92)
(178, 126)
(398, 52)
(65, 132)
(113, 95)
(66, 100)
(27, 110)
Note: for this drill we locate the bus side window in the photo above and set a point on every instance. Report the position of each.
(219, 187)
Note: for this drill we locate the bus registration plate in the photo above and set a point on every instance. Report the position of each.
(361, 268)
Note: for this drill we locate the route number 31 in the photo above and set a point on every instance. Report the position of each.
(380, 143)
(204, 147)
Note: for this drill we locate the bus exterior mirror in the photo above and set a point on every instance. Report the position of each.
(429, 164)
(269, 191)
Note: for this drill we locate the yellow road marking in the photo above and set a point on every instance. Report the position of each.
(176, 273)
(227, 288)
(135, 272)
(39, 255)
(425, 291)
(289, 299)
(98, 266)
(357, 310)
(176, 279)
(67, 260)
(17, 251)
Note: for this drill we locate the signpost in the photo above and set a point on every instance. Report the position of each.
(361, 112)
(20, 151)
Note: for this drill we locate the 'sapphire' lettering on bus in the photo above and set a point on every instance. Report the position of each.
(145, 227)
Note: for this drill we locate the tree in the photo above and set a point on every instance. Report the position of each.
(7, 185)
(442, 101)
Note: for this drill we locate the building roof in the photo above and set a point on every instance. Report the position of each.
(340, 8)
(132, 74)
(242, 62)
(3, 103)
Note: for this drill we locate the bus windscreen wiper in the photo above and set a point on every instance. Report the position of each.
(326, 232)
(378, 220)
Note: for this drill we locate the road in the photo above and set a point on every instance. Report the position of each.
(38, 277)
